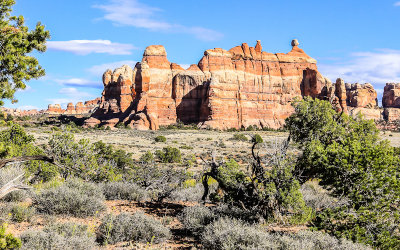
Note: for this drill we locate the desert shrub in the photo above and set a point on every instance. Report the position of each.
(159, 182)
(169, 155)
(269, 189)
(93, 162)
(191, 193)
(74, 197)
(20, 213)
(196, 218)
(123, 191)
(14, 141)
(227, 233)
(251, 128)
(8, 241)
(16, 196)
(350, 159)
(59, 237)
(315, 240)
(239, 137)
(137, 227)
(147, 157)
(318, 198)
(160, 138)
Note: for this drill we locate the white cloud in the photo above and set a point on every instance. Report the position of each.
(98, 70)
(27, 89)
(80, 82)
(378, 67)
(85, 47)
(397, 4)
(133, 13)
(28, 107)
(71, 95)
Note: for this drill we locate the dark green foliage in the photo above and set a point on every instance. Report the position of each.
(137, 227)
(74, 197)
(351, 161)
(270, 190)
(120, 157)
(95, 162)
(14, 141)
(8, 241)
(239, 137)
(160, 138)
(16, 45)
(169, 155)
(147, 157)
(257, 139)
(68, 236)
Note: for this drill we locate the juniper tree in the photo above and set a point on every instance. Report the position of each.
(16, 43)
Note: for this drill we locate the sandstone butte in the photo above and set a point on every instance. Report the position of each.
(232, 88)
(79, 109)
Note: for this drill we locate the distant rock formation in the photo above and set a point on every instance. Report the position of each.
(78, 109)
(226, 89)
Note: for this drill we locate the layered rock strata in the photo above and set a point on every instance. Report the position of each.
(79, 109)
(232, 88)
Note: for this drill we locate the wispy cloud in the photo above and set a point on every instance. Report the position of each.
(377, 67)
(27, 89)
(28, 107)
(70, 95)
(98, 70)
(397, 4)
(133, 13)
(80, 82)
(85, 47)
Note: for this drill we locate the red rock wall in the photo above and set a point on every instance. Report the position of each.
(226, 89)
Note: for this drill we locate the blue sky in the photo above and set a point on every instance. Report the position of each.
(357, 40)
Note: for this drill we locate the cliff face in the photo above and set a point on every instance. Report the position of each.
(226, 89)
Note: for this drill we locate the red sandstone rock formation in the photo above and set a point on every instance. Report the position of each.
(226, 89)
(391, 95)
(361, 95)
(237, 88)
(55, 109)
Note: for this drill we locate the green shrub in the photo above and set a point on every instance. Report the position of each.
(74, 197)
(257, 139)
(160, 138)
(8, 241)
(350, 159)
(147, 157)
(123, 191)
(239, 137)
(137, 227)
(95, 162)
(169, 155)
(69, 236)
(22, 213)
